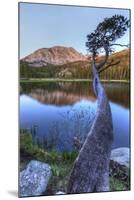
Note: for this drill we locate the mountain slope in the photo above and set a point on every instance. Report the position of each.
(57, 55)
(119, 71)
(80, 69)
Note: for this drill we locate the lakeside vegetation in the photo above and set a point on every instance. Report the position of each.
(27, 80)
(61, 164)
(80, 70)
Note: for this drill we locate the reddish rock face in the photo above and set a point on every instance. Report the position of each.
(57, 55)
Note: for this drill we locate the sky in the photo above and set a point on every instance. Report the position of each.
(44, 26)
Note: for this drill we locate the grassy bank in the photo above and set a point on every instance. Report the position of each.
(60, 162)
(68, 80)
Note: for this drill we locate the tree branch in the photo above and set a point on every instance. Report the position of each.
(109, 65)
(121, 45)
(102, 63)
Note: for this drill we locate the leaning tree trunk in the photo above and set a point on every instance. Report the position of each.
(90, 172)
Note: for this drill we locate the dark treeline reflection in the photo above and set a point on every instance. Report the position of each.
(67, 93)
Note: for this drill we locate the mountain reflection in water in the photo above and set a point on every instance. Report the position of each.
(65, 110)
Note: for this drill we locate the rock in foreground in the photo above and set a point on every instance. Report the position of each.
(121, 156)
(34, 179)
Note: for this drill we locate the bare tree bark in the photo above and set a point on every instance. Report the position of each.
(90, 172)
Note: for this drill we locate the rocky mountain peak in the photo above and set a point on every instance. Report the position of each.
(57, 55)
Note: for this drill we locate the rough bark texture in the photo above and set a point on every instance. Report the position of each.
(91, 168)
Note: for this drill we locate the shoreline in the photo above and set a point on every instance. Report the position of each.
(69, 80)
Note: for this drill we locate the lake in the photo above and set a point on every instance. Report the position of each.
(59, 114)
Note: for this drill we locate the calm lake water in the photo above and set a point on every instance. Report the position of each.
(59, 113)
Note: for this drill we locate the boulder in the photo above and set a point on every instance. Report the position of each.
(121, 156)
(60, 192)
(34, 179)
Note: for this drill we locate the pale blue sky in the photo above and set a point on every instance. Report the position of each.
(43, 25)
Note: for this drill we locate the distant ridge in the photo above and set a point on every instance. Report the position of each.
(57, 55)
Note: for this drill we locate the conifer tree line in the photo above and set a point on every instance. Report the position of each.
(79, 70)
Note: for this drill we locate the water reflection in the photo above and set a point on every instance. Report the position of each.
(63, 111)
(63, 93)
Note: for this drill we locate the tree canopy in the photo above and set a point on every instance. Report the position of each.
(106, 33)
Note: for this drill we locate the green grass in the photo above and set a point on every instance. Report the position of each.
(59, 180)
(116, 185)
(34, 151)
